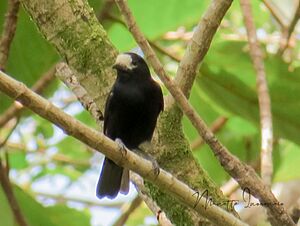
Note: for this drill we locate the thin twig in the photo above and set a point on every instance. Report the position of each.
(164, 51)
(136, 202)
(65, 74)
(8, 33)
(61, 198)
(277, 14)
(8, 190)
(15, 109)
(106, 8)
(111, 150)
(241, 172)
(229, 187)
(263, 95)
(287, 31)
(215, 127)
(2, 143)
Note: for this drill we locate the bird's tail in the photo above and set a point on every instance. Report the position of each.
(109, 183)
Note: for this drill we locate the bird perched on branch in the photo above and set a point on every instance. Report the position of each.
(130, 116)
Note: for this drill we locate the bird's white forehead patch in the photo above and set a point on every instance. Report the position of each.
(125, 60)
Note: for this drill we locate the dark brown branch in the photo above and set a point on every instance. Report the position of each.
(8, 190)
(8, 33)
(242, 173)
(105, 11)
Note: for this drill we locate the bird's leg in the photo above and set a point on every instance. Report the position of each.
(122, 147)
(139, 151)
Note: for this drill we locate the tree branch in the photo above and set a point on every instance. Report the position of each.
(65, 74)
(215, 127)
(288, 30)
(135, 203)
(263, 95)
(242, 173)
(199, 44)
(110, 149)
(73, 29)
(8, 33)
(15, 109)
(7, 188)
(152, 205)
(277, 14)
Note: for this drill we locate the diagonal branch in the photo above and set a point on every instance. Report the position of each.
(136, 202)
(98, 141)
(15, 109)
(199, 44)
(215, 127)
(67, 76)
(242, 173)
(7, 188)
(263, 95)
(288, 30)
(9, 29)
(152, 205)
(276, 13)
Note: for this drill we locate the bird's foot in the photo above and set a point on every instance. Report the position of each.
(155, 169)
(122, 147)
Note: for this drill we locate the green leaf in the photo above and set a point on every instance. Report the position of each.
(30, 54)
(38, 215)
(43, 127)
(6, 216)
(231, 86)
(74, 149)
(156, 17)
(17, 160)
(289, 162)
(139, 215)
(68, 171)
(63, 215)
(240, 137)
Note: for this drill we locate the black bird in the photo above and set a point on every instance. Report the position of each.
(131, 111)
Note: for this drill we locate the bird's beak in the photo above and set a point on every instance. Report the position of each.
(114, 66)
(119, 67)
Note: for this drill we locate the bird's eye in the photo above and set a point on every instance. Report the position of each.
(134, 62)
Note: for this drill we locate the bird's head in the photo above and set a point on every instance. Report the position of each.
(131, 65)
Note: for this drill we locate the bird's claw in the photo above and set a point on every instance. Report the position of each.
(156, 169)
(122, 147)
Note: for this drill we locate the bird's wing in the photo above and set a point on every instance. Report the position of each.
(160, 97)
(106, 111)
